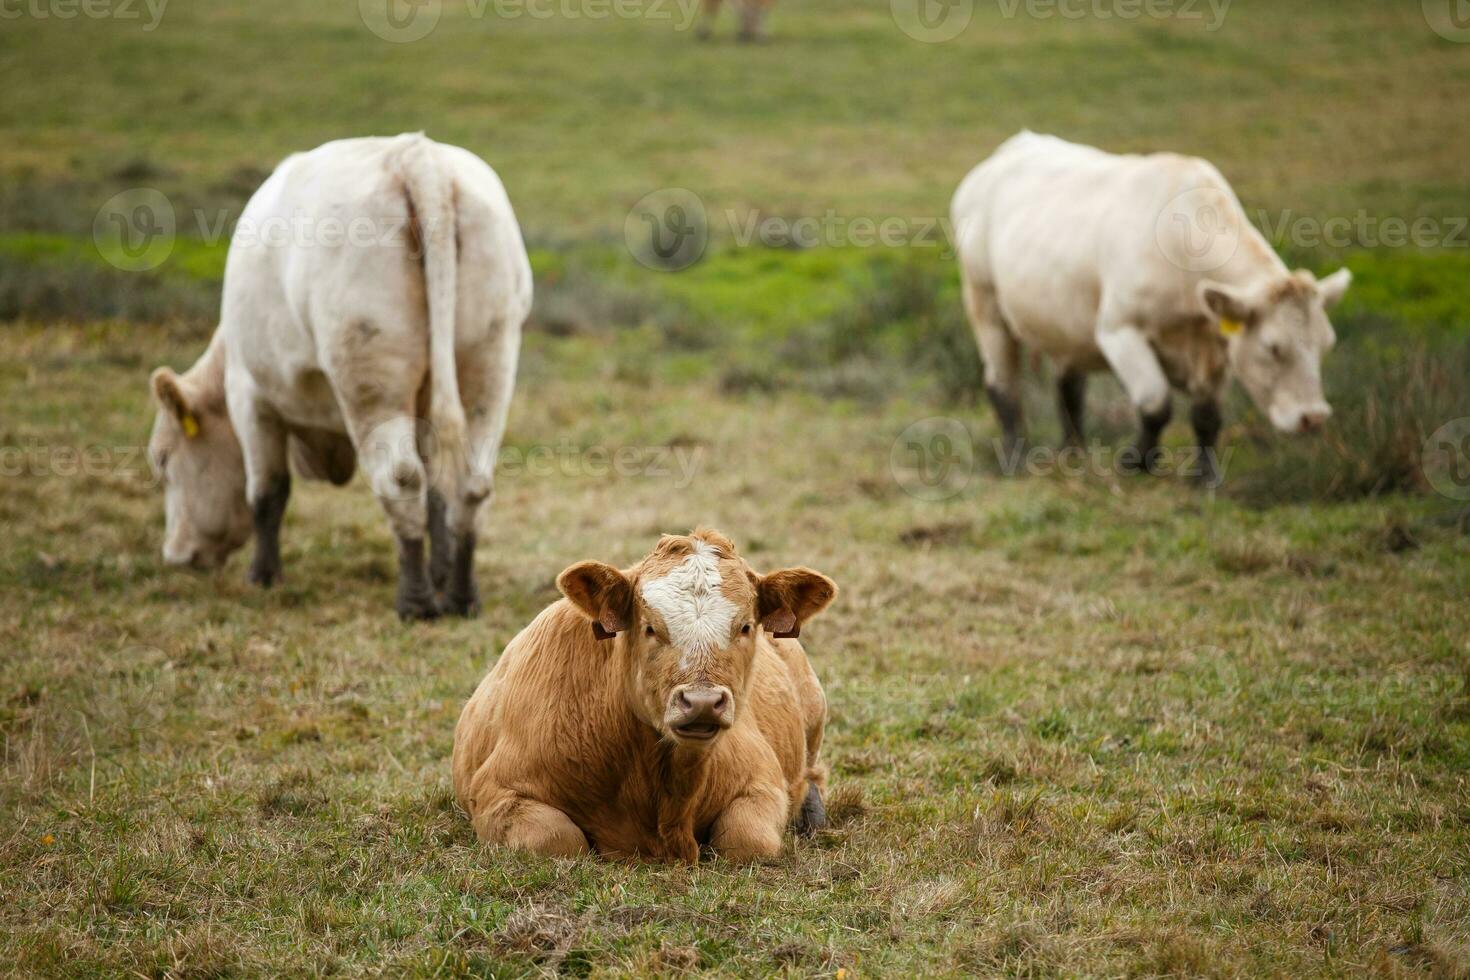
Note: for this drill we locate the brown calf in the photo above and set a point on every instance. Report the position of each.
(652, 710)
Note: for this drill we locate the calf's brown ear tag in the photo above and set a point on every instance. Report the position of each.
(782, 625)
(608, 625)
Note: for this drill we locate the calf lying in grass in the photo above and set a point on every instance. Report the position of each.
(651, 711)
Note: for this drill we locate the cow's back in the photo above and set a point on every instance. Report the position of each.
(1056, 230)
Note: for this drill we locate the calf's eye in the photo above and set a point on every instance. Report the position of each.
(648, 631)
(745, 630)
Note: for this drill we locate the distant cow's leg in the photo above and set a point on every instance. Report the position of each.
(709, 12)
(487, 381)
(750, 828)
(388, 452)
(1071, 400)
(1132, 358)
(1002, 356)
(753, 20)
(1205, 417)
(441, 557)
(263, 442)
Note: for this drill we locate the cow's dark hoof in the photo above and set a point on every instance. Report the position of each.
(1139, 461)
(415, 607)
(1207, 476)
(461, 604)
(263, 575)
(813, 815)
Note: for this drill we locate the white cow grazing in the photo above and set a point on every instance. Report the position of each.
(373, 300)
(1144, 264)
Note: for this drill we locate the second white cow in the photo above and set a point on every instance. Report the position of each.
(374, 295)
(1146, 265)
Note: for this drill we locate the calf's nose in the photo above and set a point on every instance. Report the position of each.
(701, 705)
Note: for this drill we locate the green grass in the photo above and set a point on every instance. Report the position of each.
(1098, 726)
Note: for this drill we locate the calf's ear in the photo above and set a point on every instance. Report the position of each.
(788, 598)
(168, 389)
(1232, 308)
(601, 593)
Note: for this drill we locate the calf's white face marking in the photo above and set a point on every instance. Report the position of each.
(694, 610)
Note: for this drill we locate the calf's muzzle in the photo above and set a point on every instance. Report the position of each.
(699, 712)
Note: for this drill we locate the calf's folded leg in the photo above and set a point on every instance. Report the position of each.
(518, 821)
(750, 828)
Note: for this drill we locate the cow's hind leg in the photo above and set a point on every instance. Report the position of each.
(441, 558)
(709, 12)
(1071, 402)
(487, 380)
(1001, 354)
(389, 454)
(263, 443)
(753, 20)
(813, 814)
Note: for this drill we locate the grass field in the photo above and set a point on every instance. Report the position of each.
(1080, 726)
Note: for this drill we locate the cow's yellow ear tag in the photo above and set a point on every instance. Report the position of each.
(1230, 327)
(190, 424)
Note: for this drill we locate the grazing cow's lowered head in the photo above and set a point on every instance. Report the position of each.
(685, 620)
(195, 453)
(1277, 334)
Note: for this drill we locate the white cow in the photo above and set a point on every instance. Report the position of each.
(1143, 264)
(374, 295)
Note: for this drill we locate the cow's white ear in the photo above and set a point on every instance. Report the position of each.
(168, 390)
(601, 593)
(1232, 308)
(1335, 286)
(788, 598)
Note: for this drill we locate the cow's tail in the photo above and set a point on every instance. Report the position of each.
(431, 207)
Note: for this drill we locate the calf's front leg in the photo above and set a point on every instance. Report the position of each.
(750, 828)
(509, 818)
